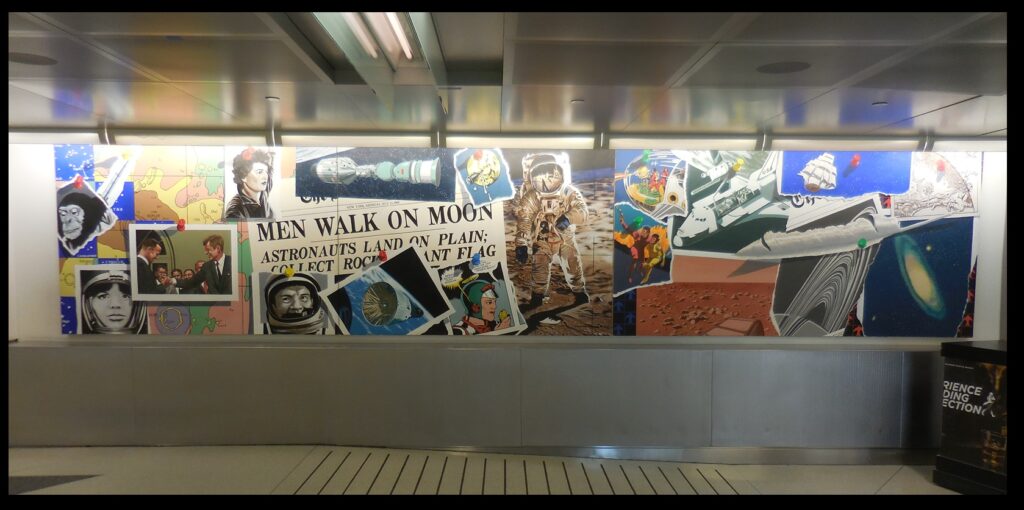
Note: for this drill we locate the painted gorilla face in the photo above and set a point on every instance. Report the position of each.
(71, 218)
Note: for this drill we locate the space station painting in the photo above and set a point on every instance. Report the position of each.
(486, 241)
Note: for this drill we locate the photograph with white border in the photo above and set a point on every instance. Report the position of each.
(215, 246)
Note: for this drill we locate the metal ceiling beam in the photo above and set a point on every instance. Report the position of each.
(378, 75)
(293, 38)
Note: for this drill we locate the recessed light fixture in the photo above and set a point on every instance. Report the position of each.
(576, 101)
(880, 103)
(272, 99)
(783, 67)
(30, 59)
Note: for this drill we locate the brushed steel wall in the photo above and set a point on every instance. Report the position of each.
(431, 396)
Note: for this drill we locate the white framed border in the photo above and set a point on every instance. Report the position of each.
(259, 312)
(231, 229)
(79, 302)
(326, 293)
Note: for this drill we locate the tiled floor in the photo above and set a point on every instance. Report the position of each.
(344, 470)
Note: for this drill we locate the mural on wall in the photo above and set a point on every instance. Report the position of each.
(290, 304)
(844, 174)
(916, 286)
(710, 296)
(105, 304)
(392, 174)
(213, 277)
(249, 175)
(558, 237)
(732, 202)
(482, 300)
(400, 296)
(484, 174)
(944, 184)
(336, 241)
(642, 253)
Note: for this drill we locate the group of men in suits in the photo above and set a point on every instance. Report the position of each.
(214, 276)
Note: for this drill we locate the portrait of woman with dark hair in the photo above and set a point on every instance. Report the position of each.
(106, 303)
(81, 216)
(253, 171)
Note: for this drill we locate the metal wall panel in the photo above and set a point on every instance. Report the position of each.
(621, 397)
(921, 400)
(836, 399)
(67, 396)
(239, 395)
(422, 396)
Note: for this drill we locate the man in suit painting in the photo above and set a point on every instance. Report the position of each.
(215, 273)
(149, 250)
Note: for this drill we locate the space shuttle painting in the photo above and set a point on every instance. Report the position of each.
(815, 221)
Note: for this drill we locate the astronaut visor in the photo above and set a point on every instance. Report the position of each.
(547, 177)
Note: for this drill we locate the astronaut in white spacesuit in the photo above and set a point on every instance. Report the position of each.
(548, 209)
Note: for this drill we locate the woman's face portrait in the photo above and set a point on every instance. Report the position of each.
(112, 305)
(256, 180)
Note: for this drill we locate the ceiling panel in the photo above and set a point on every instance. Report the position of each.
(718, 109)
(971, 118)
(539, 108)
(965, 68)
(415, 107)
(736, 66)
(993, 30)
(74, 61)
(17, 23)
(476, 108)
(136, 104)
(851, 109)
(217, 69)
(619, 26)
(162, 23)
(470, 39)
(597, 63)
(302, 106)
(25, 109)
(203, 59)
(849, 26)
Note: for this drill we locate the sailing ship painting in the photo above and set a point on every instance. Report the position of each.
(820, 173)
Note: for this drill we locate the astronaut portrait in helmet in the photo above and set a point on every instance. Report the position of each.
(294, 307)
(548, 209)
(482, 315)
(81, 216)
(105, 302)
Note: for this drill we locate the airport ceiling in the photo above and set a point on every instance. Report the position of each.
(889, 74)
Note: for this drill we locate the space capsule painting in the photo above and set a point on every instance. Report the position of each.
(401, 296)
(387, 173)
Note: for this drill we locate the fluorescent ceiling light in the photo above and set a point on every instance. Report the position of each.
(385, 34)
(129, 138)
(688, 143)
(843, 144)
(359, 29)
(299, 140)
(396, 26)
(56, 138)
(970, 145)
(520, 142)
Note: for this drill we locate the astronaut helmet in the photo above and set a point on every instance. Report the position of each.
(303, 320)
(547, 172)
(473, 295)
(97, 318)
